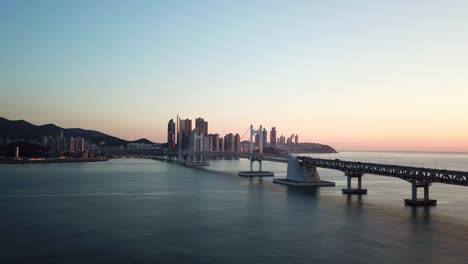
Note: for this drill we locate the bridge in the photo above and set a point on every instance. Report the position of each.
(302, 170)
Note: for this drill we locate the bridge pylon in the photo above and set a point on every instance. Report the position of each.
(260, 172)
(414, 201)
(196, 142)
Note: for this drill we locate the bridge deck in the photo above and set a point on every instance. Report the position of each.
(403, 172)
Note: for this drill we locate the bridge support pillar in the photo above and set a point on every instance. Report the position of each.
(359, 189)
(300, 174)
(259, 173)
(414, 201)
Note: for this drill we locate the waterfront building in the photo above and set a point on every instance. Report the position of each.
(171, 135)
(264, 137)
(70, 142)
(56, 145)
(202, 126)
(214, 141)
(207, 144)
(221, 144)
(237, 143)
(296, 139)
(183, 133)
(229, 142)
(282, 140)
(79, 143)
(273, 137)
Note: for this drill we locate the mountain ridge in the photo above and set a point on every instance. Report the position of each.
(22, 129)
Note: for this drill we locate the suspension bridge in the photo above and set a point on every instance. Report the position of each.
(302, 170)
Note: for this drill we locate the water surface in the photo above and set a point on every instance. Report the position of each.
(145, 211)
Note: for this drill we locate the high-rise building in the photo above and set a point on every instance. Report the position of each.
(257, 140)
(229, 142)
(171, 135)
(71, 144)
(282, 140)
(201, 125)
(79, 144)
(58, 144)
(296, 139)
(221, 144)
(264, 137)
(183, 135)
(237, 143)
(273, 137)
(207, 143)
(215, 141)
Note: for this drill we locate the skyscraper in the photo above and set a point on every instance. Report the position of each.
(201, 125)
(221, 144)
(282, 140)
(229, 142)
(183, 135)
(171, 135)
(273, 137)
(237, 143)
(296, 139)
(71, 145)
(264, 137)
(215, 141)
(79, 144)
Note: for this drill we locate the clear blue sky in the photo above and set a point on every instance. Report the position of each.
(353, 74)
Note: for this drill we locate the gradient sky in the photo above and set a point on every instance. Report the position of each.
(357, 75)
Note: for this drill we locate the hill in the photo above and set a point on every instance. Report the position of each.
(295, 148)
(21, 129)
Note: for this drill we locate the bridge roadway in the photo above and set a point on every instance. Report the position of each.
(407, 173)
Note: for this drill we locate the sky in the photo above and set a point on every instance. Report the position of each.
(356, 75)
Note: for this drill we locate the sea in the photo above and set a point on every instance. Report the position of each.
(148, 211)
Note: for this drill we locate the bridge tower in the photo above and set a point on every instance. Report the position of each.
(257, 158)
(251, 149)
(196, 142)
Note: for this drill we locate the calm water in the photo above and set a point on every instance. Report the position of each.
(143, 211)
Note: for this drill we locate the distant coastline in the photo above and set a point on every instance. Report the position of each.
(52, 160)
(408, 151)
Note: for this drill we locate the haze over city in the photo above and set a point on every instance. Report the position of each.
(356, 75)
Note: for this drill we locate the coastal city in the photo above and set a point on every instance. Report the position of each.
(71, 144)
(182, 133)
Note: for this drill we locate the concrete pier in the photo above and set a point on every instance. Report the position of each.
(256, 174)
(311, 184)
(415, 201)
(300, 175)
(197, 164)
(359, 189)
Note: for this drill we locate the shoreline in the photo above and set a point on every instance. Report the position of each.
(41, 161)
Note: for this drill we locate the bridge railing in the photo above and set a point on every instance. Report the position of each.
(403, 172)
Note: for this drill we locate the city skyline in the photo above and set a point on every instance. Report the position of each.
(386, 76)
